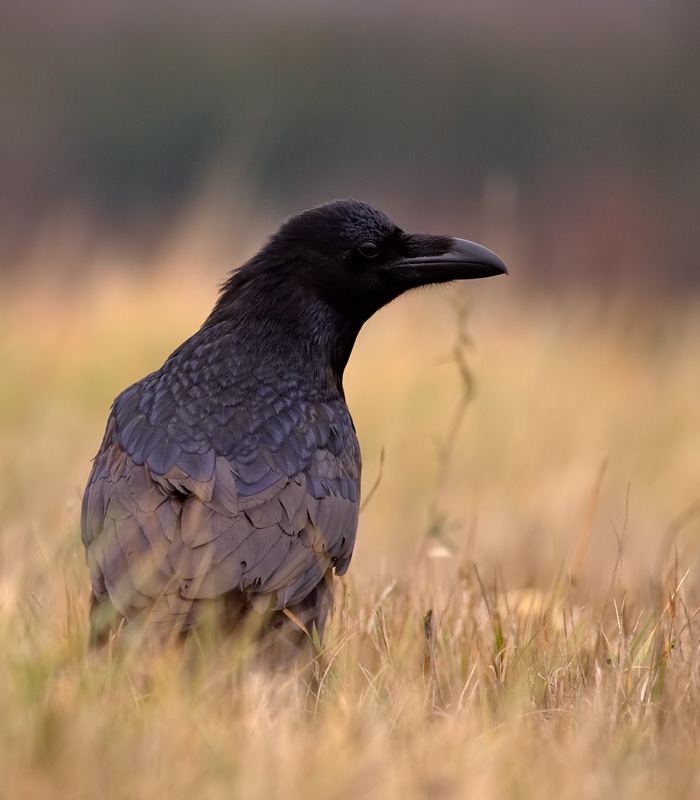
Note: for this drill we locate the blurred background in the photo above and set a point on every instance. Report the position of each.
(148, 148)
(571, 131)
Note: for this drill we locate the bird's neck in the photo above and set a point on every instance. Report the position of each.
(285, 324)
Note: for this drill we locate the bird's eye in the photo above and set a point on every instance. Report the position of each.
(368, 249)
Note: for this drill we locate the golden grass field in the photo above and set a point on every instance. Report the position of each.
(549, 521)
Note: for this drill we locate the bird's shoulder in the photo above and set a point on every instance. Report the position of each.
(213, 397)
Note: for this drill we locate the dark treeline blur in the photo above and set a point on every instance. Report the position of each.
(567, 132)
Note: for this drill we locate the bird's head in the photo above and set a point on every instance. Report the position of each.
(357, 260)
(341, 262)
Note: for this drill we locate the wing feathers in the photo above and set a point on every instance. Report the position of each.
(180, 522)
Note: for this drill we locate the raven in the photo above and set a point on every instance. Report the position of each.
(229, 478)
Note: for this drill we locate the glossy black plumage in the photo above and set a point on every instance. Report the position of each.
(231, 475)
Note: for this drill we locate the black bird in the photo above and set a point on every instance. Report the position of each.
(229, 478)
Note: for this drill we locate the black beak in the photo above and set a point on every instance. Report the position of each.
(464, 260)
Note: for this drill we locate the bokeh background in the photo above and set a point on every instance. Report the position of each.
(568, 129)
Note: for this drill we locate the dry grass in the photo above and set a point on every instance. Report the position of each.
(519, 619)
